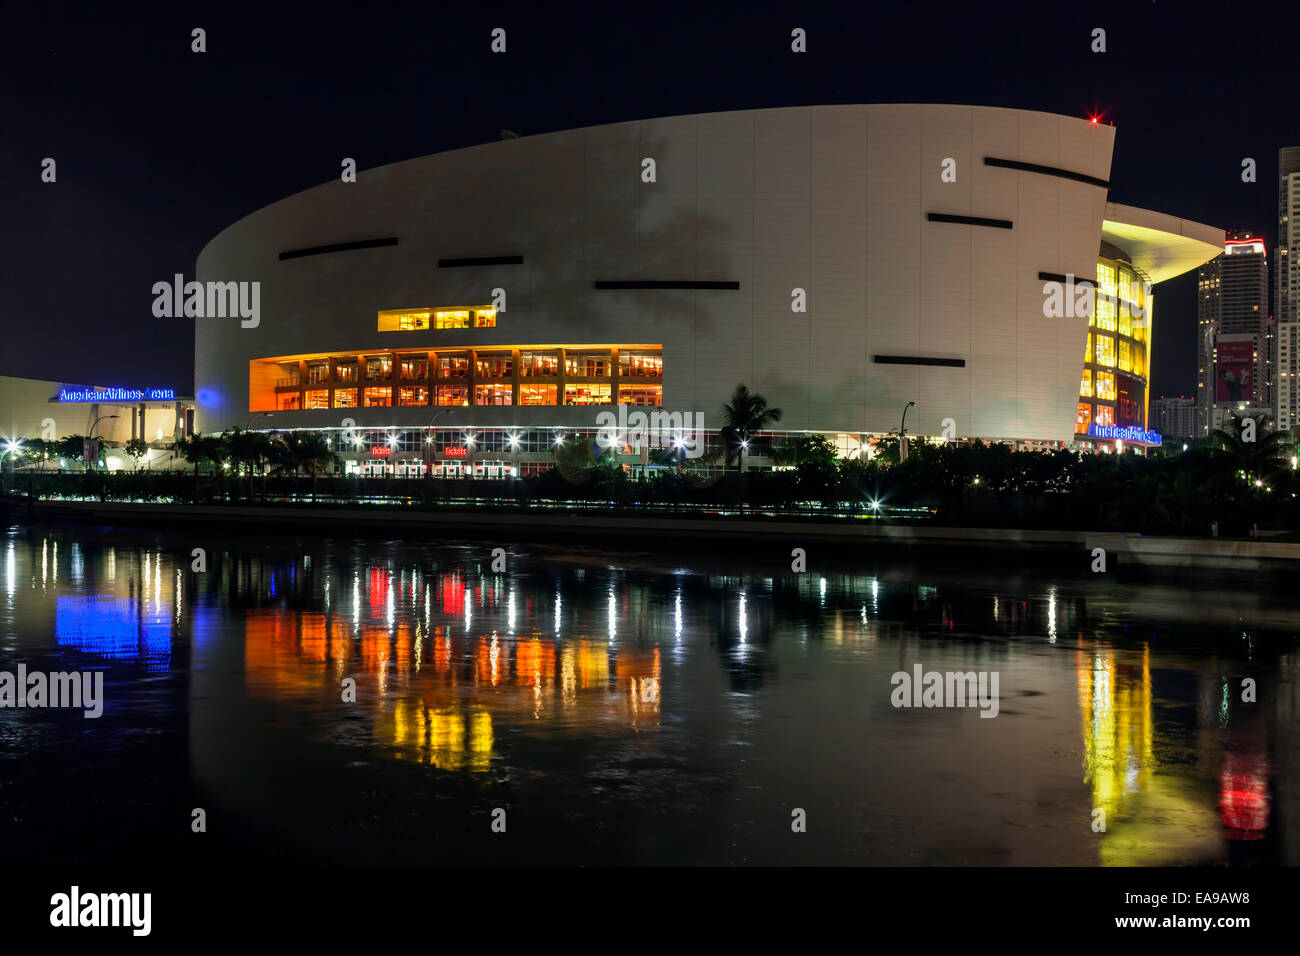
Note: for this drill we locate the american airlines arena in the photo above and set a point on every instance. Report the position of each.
(465, 312)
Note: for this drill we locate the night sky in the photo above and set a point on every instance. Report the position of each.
(159, 148)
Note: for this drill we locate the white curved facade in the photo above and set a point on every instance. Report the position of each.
(832, 200)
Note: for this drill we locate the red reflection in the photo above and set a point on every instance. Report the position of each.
(1243, 796)
(453, 594)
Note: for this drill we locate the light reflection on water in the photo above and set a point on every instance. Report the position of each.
(653, 713)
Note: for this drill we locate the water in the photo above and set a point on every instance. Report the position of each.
(631, 708)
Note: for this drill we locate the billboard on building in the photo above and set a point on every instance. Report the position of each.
(1234, 370)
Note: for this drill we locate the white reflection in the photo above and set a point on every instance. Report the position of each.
(677, 616)
(1051, 614)
(744, 618)
(558, 602)
(392, 609)
(510, 612)
(613, 627)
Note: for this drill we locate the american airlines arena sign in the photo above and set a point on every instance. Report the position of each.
(1125, 433)
(117, 394)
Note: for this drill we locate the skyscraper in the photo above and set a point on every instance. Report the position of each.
(1287, 291)
(1235, 346)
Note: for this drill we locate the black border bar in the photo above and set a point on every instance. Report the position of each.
(1046, 171)
(969, 220)
(339, 247)
(917, 360)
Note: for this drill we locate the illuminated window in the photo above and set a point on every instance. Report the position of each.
(1105, 314)
(316, 398)
(640, 364)
(378, 397)
(415, 320)
(345, 398)
(1106, 386)
(587, 364)
(1106, 279)
(1087, 354)
(1125, 358)
(1083, 418)
(1085, 384)
(378, 367)
(1105, 415)
(287, 401)
(453, 366)
(538, 364)
(641, 395)
(318, 373)
(494, 365)
(586, 395)
(451, 319)
(1125, 321)
(397, 320)
(537, 395)
(1105, 349)
(415, 368)
(413, 396)
(453, 395)
(492, 395)
(345, 371)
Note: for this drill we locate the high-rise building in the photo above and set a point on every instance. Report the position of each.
(1208, 280)
(1236, 344)
(1286, 301)
(1175, 417)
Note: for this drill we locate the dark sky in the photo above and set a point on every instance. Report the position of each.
(158, 148)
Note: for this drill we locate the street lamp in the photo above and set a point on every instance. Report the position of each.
(258, 415)
(12, 448)
(902, 434)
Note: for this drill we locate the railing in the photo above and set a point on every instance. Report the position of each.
(287, 383)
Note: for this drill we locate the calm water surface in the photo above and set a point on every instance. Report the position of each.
(631, 708)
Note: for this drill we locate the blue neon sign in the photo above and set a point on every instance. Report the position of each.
(117, 394)
(1125, 433)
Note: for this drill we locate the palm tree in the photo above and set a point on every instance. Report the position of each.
(743, 418)
(309, 450)
(1261, 458)
(200, 448)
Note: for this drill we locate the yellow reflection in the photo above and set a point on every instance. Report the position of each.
(1151, 818)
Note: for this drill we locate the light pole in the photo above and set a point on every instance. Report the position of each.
(91, 436)
(12, 448)
(902, 434)
(429, 454)
(258, 415)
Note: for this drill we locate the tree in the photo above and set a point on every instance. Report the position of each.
(137, 448)
(198, 449)
(743, 418)
(1260, 458)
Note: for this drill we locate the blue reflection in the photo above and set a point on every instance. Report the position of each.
(117, 628)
